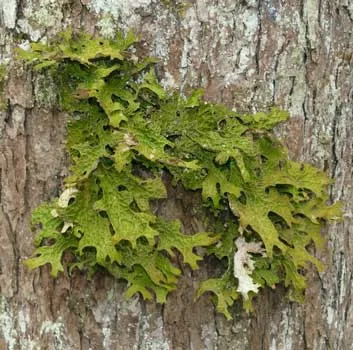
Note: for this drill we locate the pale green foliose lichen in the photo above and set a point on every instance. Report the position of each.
(265, 210)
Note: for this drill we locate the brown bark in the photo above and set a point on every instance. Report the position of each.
(250, 55)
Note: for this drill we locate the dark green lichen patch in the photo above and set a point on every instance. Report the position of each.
(266, 210)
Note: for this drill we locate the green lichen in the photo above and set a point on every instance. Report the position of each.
(125, 132)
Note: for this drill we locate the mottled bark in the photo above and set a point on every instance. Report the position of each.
(250, 55)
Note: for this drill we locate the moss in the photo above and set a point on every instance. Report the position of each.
(264, 209)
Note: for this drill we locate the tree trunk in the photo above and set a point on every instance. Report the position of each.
(248, 54)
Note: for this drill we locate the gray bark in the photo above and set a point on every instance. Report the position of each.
(250, 55)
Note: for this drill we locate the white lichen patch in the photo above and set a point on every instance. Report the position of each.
(65, 197)
(160, 46)
(7, 324)
(106, 337)
(23, 320)
(191, 45)
(25, 45)
(130, 307)
(57, 330)
(123, 10)
(45, 14)
(215, 28)
(311, 12)
(24, 26)
(244, 265)
(105, 314)
(8, 9)
(209, 336)
(15, 338)
(283, 338)
(251, 22)
(67, 225)
(107, 26)
(153, 335)
(26, 343)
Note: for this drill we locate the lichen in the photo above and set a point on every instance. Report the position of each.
(8, 11)
(7, 326)
(57, 330)
(124, 133)
(153, 339)
(48, 15)
(107, 26)
(122, 10)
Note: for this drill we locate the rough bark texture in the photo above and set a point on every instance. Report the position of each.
(296, 54)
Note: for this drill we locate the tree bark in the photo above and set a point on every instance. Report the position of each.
(250, 55)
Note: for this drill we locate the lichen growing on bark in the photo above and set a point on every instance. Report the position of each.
(125, 131)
